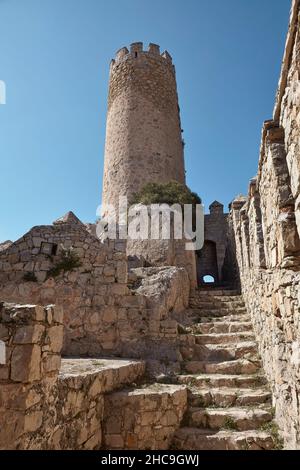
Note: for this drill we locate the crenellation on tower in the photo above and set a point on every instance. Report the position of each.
(136, 47)
(121, 53)
(154, 49)
(167, 56)
(136, 50)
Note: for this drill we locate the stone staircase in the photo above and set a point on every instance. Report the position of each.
(229, 404)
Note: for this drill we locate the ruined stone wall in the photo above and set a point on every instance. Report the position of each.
(144, 418)
(33, 340)
(87, 293)
(166, 251)
(163, 253)
(272, 297)
(51, 403)
(266, 235)
(287, 106)
(45, 405)
(102, 315)
(143, 130)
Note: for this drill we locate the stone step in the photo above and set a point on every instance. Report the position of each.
(219, 298)
(224, 338)
(214, 305)
(236, 318)
(109, 374)
(225, 352)
(228, 403)
(234, 419)
(224, 397)
(218, 312)
(222, 380)
(239, 366)
(204, 439)
(218, 292)
(218, 301)
(222, 327)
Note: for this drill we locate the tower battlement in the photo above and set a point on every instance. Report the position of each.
(136, 50)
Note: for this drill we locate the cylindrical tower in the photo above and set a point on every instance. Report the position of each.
(143, 131)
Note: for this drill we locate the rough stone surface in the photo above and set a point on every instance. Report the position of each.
(163, 253)
(202, 342)
(229, 404)
(48, 405)
(102, 316)
(266, 229)
(143, 130)
(144, 418)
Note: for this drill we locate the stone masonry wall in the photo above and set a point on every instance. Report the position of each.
(33, 340)
(143, 130)
(265, 227)
(102, 315)
(51, 403)
(144, 418)
(287, 106)
(86, 293)
(44, 405)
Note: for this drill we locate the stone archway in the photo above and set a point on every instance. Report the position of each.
(207, 264)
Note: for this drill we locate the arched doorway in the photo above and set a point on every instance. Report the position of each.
(207, 265)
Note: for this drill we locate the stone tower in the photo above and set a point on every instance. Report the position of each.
(143, 131)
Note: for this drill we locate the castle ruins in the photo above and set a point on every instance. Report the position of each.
(121, 344)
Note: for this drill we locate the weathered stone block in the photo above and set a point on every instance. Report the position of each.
(51, 363)
(109, 314)
(29, 334)
(26, 363)
(33, 421)
(55, 338)
(140, 417)
(40, 313)
(58, 314)
(32, 398)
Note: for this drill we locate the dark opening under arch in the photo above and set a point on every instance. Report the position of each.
(207, 264)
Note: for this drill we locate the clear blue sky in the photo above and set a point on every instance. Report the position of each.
(54, 58)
